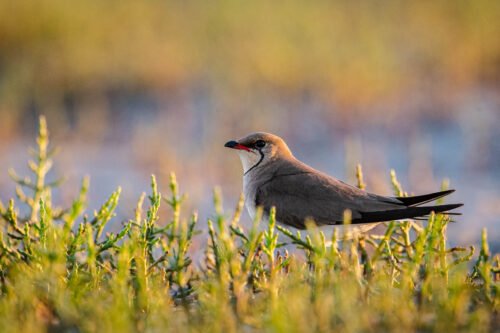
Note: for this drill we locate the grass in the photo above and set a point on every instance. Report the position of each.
(60, 271)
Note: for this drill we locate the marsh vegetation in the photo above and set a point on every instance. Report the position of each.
(61, 270)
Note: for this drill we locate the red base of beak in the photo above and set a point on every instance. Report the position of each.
(236, 145)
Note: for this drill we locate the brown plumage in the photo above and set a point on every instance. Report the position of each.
(274, 177)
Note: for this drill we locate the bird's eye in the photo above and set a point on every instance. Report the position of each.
(260, 144)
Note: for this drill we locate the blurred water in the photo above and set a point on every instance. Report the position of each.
(165, 91)
(145, 136)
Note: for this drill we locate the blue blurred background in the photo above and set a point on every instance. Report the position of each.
(134, 88)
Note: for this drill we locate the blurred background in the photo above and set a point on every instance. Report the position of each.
(132, 88)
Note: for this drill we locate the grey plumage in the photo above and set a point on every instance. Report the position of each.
(274, 177)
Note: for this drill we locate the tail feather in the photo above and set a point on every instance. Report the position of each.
(422, 199)
(403, 213)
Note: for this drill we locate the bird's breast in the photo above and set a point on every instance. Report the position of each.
(249, 192)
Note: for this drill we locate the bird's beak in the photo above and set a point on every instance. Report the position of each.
(235, 145)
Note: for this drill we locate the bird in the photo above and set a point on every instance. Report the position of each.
(273, 177)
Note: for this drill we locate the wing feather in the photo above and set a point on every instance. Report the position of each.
(301, 194)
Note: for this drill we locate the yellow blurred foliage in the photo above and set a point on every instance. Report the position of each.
(351, 51)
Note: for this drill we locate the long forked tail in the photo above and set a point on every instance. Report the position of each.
(403, 213)
(422, 199)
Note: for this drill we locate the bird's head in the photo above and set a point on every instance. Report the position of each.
(258, 149)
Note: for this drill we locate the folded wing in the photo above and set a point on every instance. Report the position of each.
(301, 194)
